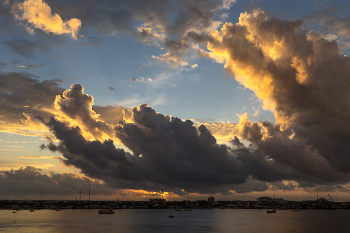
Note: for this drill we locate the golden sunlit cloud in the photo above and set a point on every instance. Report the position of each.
(251, 70)
(38, 14)
(75, 109)
(222, 131)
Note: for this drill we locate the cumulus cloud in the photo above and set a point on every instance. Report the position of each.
(77, 106)
(303, 79)
(163, 158)
(23, 97)
(169, 154)
(37, 14)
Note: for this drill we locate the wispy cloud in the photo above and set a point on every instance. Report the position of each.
(111, 89)
(38, 157)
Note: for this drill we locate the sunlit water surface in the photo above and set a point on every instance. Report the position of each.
(197, 220)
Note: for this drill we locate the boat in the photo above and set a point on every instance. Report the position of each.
(177, 210)
(296, 206)
(171, 216)
(187, 210)
(271, 211)
(14, 212)
(31, 210)
(106, 211)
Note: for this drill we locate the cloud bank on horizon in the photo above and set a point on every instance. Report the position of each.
(301, 76)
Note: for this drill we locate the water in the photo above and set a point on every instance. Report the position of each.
(154, 220)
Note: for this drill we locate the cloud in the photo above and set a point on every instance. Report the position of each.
(5, 166)
(194, 66)
(168, 154)
(299, 76)
(161, 23)
(304, 80)
(136, 80)
(109, 114)
(76, 105)
(332, 26)
(37, 14)
(30, 66)
(163, 152)
(111, 89)
(29, 181)
(25, 47)
(21, 96)
(37, 157)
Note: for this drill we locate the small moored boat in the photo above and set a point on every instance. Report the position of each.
(106, 211)
(271, 211)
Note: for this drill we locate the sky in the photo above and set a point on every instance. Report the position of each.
(182, 99)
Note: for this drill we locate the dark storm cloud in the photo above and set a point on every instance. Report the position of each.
(30, 181)
(169, 154)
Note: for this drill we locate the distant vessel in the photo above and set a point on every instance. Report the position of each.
(14, 212)
(271, 211)
(171, 216)
(106, 211)
(296, 207)
(187, 210)
(31, 210)
(177, 210)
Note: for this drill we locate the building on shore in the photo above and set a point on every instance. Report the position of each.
(157, 202)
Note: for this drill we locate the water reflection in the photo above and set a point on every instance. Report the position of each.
(211, 220)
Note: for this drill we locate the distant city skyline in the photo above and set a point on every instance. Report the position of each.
(186, 99)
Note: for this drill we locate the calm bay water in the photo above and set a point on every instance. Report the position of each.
(198, 220)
